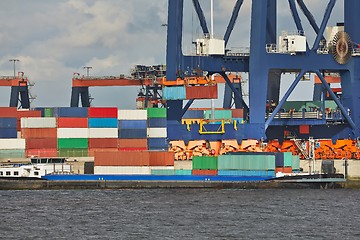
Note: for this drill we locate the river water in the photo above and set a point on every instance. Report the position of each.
(180, 214)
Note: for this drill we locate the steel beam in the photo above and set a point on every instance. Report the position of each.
(309, 16)
(201, 17)
(233, 19)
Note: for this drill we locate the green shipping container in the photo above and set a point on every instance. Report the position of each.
(12, 153)
(156, 112)
(287, 159)
(219, 114)
(73, 152)
(183, 172)
(295, 162)
(162, 172)
(204, 163)
(48, 112)
(73, 143)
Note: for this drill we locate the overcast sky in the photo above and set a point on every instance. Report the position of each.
(54, 39)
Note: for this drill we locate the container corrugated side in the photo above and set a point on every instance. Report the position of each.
(103, 122)
(219, 114)
(132, 124)
(72, 122)
(183, 165)
(183, 172)
(202, 92)
(73, 112)
(156, 132)
(93, 150)
(12, 143)
(132, 133)
(157, 123)
(48, 112)
(205, 172)
(158, 143)
(246, 162)
(159, 158)
(68, 143)
(28, 113)
(41, 143)
(205, 163)
(246, 173)
(39, 132)
(103, 142)
(8, 133)
(287, 159)
(8, 112)
(174, 93)
(12, 153)
(122, 170)
(194, 114)
(132, 143)
(8, 123)
(72, 133)
(295, 162)
(42, 152)
(237, 113)
(73, 152)
(121, 158)
(165, 172)
(132, 114)
(103, 112)
(49, 122)
(103, 133)
(156, 112)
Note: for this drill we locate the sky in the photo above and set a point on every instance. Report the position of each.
(54, 39)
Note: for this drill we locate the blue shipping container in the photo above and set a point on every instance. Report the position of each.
(8, 133)
(157, 122)
(103, 123)
(132, 133)
(75, 112)
(194, 114)
(158, 144)
(8, 123)
(132, 124)
(174, 93)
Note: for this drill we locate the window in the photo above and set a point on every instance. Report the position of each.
(36, 173)
(16, 173)
(8, 173)
(1, 173)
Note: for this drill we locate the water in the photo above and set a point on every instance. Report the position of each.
(180, 214)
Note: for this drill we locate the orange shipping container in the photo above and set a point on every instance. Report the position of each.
(157, 158)
(121, 158)
(283, 169)
(39, 133)
(132, 149)
(8, 112)
(51, 152)
(30, 113)
(237, 113)
(103, 142)
(72, 122)
(205, 172)
(132, 143)
(40, 143)
(93, 150)
(201, 92)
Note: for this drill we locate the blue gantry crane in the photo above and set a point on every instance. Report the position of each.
(270, 56)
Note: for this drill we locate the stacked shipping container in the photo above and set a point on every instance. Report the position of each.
(157, 131)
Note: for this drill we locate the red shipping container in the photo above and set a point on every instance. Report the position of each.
(133, 149)
(39, 133)
(304, 129)
(41, 152)
(201, 92)
(103, 142)
(8, 112)
(157, 158)
(41, 143)
(103, 112)
(205, 172)
(72, 123)
(237, 113)
(93, 150)
(121, 158)
(283, 169)
(132, 143)
(28, 113)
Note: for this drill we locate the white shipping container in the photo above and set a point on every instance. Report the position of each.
(162, 167)
(183, 165)
(132, 114)
(73, 133)
(124, 170)
(12, 143)
(156, 133)
(38, 122)
(103, 133)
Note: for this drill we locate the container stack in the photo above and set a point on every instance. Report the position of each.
(103, 129)
(132, 128)
(72, 131)
(174, 93)
(283, 162)
(157, 131)
(245, 164)
(12, 148)
(40, 135)
(8, 122)
(205, 165)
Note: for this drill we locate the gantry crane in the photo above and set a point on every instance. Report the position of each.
(19, 96)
